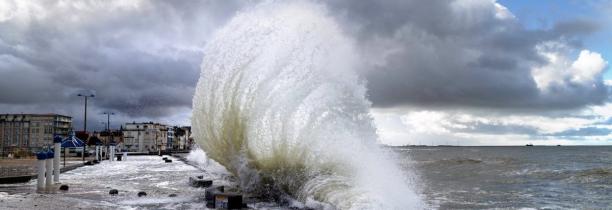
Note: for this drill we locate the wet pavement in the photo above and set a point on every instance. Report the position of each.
(89, 187)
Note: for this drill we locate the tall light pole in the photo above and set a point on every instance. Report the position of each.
(108, 114)
(85, 119)
(108, 132)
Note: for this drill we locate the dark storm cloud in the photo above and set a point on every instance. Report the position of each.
(142, 58)
(459, 53)
(575, 27)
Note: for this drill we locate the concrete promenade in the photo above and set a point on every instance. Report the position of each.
(166, 185)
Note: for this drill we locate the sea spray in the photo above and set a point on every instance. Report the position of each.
(279, 105)
(211, 169)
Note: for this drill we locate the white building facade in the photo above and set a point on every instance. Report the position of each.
(145, 137)
(182, 137)
(31, 132)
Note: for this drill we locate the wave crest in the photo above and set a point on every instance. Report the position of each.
(279, 105)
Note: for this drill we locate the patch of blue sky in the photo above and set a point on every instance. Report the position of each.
(543, 14)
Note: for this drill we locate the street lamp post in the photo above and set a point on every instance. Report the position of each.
(108, 114)
(85, 119)
(108, 132)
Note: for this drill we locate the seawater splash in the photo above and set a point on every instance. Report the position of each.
(279, 105)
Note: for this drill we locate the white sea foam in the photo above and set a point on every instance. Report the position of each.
(215, 170)
(279, 105)
(198, 156)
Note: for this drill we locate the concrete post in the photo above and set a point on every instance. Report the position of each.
(56, 158)
(49, 170)
(124, 155)
(41, 156)
(112, 152)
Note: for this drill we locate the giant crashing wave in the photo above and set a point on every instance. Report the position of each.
(279, 105)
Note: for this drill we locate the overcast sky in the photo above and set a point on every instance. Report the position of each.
(467, 72)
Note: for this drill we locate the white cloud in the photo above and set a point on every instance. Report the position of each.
(604, 111)
(587, 67)
(429, 122)
(553, 72)
(544, 125)
(414, 126)
(561, 71)
(21, 12)
(502, 12)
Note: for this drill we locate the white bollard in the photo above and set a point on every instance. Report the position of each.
(49, 170)
(112, 153)
(97, 153)
(56, 161)
(124, 155)
(41, 156)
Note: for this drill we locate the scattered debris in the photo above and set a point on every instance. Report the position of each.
(199, 182)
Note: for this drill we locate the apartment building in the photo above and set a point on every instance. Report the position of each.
(145, 137)
(31, 131)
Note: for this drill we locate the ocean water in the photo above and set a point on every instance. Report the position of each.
(537, 177)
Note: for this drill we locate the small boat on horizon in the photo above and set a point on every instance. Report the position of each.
(529, 145)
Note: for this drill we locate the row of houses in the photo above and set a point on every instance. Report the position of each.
(150, 136)
(27, 133)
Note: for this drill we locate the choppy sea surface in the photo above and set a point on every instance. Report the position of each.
(539, 177)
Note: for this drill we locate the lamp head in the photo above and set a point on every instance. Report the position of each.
(90, 95)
